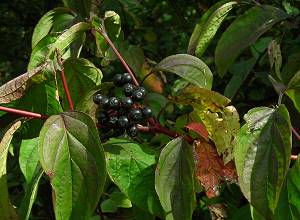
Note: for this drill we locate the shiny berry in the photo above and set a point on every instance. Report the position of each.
(117, 79)
(97, 98)
(126, 78)
(102, 117)
(143, 90)
(136, 115)
(133, 131)
(123, 122)
(138, 94)
(113, 102)
(128, 89)
(126, 102)
(147, 112)
(104, 102)
(113, 121)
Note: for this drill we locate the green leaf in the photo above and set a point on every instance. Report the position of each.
(206, 29)
(189, 68)
(293, 189)
(134, 57)
(112, 24)
(130, 167)
(83, 7)
(32, 170)
(72, 156)
(240, 72)
(15, 88)
(262, 156)
(6, 208)
(46, 23)
(291, 67)
(116, 200)
(293, 90)
(174, 180)
(254, 23)
(82, 77)
(40, 51)
(275, 58)
(73, 34)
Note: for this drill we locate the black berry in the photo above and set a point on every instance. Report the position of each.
(138, 94)
(113, 102)
(147, 112)
(117, 79)
(132, 131)
(113, 121)
(102, 117)
(126, 78)
(123, 122)
(128, 89)
(126, 102)
(104, 102)
(136, 115)
(143, 90)
(118, 131)
(97, 98)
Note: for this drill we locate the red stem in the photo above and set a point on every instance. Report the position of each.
(23, 113)
(111, 44)
(296, 133)
(64, 81)
(294, 157)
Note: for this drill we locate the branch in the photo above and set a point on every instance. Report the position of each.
(23, 113)
(111, 44)
(64, 81)
(296, 133)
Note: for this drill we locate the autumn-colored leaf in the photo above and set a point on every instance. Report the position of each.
(153, 81)
(199, 128)
(210, 169)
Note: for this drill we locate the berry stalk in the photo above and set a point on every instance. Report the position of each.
(23, 113)
(296, 133)
(111, 44)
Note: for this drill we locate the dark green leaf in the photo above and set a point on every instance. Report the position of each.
(6, 208)
(293, 189)
(82, 77)
(46, 23)
(262, 156)
(174, 180)
(255, 22)
(130, 167)
(275, 58)
(83, 7)
(189, 68)
(291, 67)
(72, 156)
(206, 29)
(32, 170)
(293, 90)
(116, 200)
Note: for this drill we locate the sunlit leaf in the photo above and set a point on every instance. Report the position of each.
(220, 119)
(6, 208)
(174, 180)
(190, 68)
(206, 29)
(130, 167)
(32, 170)
(46, 23)
(262, 156)
(82, 77)
(72, 156)
(254, 23)
(15, 88)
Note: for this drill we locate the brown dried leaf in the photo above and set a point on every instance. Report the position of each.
(210, 169)
(15, 88)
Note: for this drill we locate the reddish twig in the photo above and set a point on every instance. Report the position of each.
(294, 157)
(23, 113)
(64, 81)
(111, 44)
(296, 133)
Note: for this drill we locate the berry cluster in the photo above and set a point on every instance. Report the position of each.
(122, 114)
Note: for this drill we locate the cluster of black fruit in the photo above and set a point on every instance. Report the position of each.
(123, 114)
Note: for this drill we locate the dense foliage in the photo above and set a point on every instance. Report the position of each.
(149, 110)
